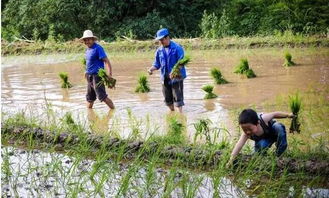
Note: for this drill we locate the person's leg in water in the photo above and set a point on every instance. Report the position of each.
(281, 142)
(178, 95)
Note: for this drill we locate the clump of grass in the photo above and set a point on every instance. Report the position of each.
(209, 94)
(142, 86)
(65, 80)
(243, 68)
(295, 104)
(105, 79)
(175, 73)
(175, 130)
(288, 60)
(217, 76)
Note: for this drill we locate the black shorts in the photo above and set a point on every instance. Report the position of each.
(94, 88)
(173, 92)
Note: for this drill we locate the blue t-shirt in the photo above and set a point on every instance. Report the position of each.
(94, 56)
(165, 60)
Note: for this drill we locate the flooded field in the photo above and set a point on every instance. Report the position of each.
(31, 82)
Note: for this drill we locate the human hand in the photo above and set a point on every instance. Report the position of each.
(291, 115)
(149, 71)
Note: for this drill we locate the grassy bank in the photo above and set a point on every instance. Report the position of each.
(127, 45)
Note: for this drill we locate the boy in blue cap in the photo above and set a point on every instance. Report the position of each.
(166, 56)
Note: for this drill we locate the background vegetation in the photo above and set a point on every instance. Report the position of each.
(63, 20)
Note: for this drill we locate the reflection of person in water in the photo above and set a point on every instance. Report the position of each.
(99, 124)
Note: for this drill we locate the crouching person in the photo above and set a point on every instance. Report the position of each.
(262, 129)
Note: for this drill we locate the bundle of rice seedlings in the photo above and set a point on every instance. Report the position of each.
(217, 76)
(105, 79)
(250, 73)
(295, 104)
(142, 86)
(175, 72)
(288, 60)
(65, 80)
(209, 94)
(243, 68)
(84, 63)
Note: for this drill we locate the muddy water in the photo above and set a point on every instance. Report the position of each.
(29, 82)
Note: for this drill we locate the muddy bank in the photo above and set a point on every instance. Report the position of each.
(187, 155)
(75, 46)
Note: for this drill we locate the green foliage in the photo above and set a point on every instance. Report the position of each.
(209, 94)
(105, 79)
(202, 128)
(217, 76)
(175, 72)
(84, 63)
(288, 60)
(65, 80)
(243, 68)
(295, 104)
(142, 86)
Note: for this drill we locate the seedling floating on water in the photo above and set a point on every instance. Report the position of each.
(175, 73)
(105, 79)
(217, 76)
(65, 80)
(142, 86)
(209, 89)
(295, 104)
(288, 60)
(243, 68)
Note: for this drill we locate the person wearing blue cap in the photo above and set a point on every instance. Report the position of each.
(166, 56)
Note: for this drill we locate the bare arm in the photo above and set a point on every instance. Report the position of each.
(237, 148)
(151, 69)
(108, 65)
(278, 114)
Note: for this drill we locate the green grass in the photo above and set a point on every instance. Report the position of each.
(84, 63)
(209, 94)
(217, 76)
(65, 80)
(288, 60)
(105, 79)
(143, 85)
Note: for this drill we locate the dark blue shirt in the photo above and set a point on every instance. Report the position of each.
(94, 56)
(165, 62)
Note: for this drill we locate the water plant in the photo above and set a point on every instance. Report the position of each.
(217, 76)
(243, 68)
(209, 94)
(295, 104)
(108, 81)
(288, 60)
(202, 128)
(142, 86)
(84, 63)
(175, 72)
(65, 80)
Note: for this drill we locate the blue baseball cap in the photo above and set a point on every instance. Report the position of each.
(162, 33)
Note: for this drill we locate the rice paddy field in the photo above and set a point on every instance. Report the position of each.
(140, 149)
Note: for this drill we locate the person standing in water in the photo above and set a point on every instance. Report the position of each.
(95, 60)
(166, 56)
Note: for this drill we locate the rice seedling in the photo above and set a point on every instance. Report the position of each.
(209, 94)
(250, 73)
(108, 81)
(84, 63)
(288, 60)
(65, 80)
(142, 86)
(243, 68)
(175, 72)
(217, 76)
(202, 128)
(295, 104)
